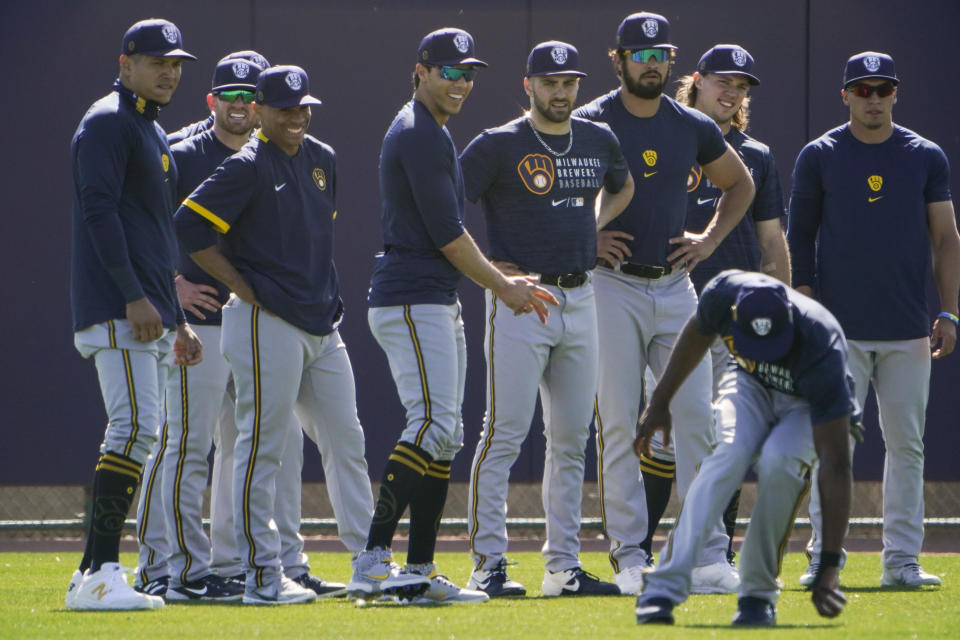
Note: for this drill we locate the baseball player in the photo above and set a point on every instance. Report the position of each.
(644, 294)
(273, 204)
(415, 317)
(788, 400)
(870, 210)
(719, 89)
(125, 310)
(206, 124)
(538, 177)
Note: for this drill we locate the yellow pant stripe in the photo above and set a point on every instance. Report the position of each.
(421, 366)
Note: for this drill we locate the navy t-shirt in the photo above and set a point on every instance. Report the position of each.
(276, 215)
(814, 369)
(192, 129)
(124, 195)
(857, 229)
(197, 158)
(660, 151)
(540, 206)
(421, 189)
(740, 249)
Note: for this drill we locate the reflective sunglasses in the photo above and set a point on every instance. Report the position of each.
(453, 73)
(865, 90)
(231, 96)
(646, 55)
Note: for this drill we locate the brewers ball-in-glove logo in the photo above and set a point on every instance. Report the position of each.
(651, 28)
(294, 80)
(462, 42)
(171, 33)
(559, 55)
(693, 178)
(537, 172)
(761, 326)
(739, 57)
(875, 182)
(241, 70)
(871, 63)
(259, 60)
(320, 179)
(650, 157)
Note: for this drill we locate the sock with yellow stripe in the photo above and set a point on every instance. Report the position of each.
(114, 484)
(402, 479)
(657, 483)
(426, 509)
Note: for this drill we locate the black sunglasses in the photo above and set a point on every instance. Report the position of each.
(866, 90)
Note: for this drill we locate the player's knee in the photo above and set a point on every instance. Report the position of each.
(777, 469)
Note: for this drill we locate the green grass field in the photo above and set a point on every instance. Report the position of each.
(32, 587)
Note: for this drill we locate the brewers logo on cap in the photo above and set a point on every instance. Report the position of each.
(559, 54)
(739, 57)
(871, 63)
(241, 69)
(171, 33)
(462, 42)
(294, 81)
(651, 28)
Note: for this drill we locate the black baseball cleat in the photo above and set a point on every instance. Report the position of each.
(576, 582)
(321, 587)
(654, 611)
(754, 612)
(495, 582)
(207, 588)
(156, 587)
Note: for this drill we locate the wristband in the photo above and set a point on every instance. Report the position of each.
(829, 559)
(949, 316)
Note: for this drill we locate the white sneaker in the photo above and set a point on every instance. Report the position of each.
(808, 576)
(283, 591)
(910, 575)
(631, 579)
(718, 577)
(107, 589)
(75, 581)
(370, 568)
(442, 589)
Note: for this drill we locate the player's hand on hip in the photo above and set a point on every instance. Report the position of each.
(654, 418)
(195, 296)
(611, 246)
(145, 322)
(523, 295)
(187, 349)
(693, 248)
(826, 594)
(943, 338)
(508, 268)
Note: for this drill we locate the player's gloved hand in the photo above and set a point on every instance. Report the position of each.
(856, 428)
(611, 246)
(825, 592)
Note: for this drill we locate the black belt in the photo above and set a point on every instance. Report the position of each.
(564, 280)
(649, 271)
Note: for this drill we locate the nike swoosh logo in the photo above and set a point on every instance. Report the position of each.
(702, 201)
(557, 203)
(647, 175)
(197, 592)
(381, 577)
(575, 585)
(874, 199)
(277, 187)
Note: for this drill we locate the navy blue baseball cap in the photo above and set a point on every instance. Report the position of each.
(155, 37)
(554, 58)
(728, 59)
(762, 323)
(284, 86)
(235, 73)
(248, 54)
(644, 30)
(447, 47)
(869, 64)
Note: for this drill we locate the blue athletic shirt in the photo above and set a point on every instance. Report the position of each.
(124, 194)
(190, 130)
(421, 189)
(540, 208)
(660, 151)
(871, 261)
(814, 369)
(276, 216)
(740, 249)
(197, 158)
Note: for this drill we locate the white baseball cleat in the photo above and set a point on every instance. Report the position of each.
(808, 576)
(718, 577)
(75, 581)
(631, 579)
(282, 591)
(910, 575)
(442, 590)
(107, 589)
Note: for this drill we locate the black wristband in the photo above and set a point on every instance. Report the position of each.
(830, 559)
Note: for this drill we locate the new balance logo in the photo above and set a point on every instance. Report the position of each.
(277, 187)
(101, 590)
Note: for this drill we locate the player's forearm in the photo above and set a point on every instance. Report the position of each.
(216, 264)
(946, 272)
(688, 352)
(465, 255)
(835, 479)
(611, 205)
(730, 209)
(803, 224)
(774, 255)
